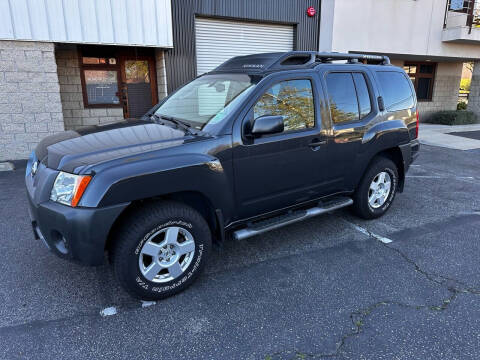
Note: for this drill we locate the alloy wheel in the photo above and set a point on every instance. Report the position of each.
(379, 189)
(166, 254)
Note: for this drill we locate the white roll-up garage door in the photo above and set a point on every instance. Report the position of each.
(219, 40)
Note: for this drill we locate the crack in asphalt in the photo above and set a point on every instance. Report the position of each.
(436, 278)
(358, 317)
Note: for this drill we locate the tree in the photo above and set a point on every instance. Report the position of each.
(294, 104)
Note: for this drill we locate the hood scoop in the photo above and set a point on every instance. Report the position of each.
(41, 150)
(72, 149)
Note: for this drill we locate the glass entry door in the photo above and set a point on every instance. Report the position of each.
(139, 86)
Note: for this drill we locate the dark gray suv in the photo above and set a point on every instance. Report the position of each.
(260, 142)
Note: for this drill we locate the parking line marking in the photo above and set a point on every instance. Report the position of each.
(108, 311)
(441, 177)
(369, 233)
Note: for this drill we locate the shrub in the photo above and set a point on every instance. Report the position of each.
(462, 105)
(453, 117)
(465, 84)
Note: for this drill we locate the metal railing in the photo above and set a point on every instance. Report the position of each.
(462, 13)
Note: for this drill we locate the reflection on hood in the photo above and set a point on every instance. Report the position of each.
(96, 144)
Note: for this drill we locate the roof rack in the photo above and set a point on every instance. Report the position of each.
(308, 58)
(351, 58)
(295, 60)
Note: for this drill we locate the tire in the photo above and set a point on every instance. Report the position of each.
(364, 204)
(159, 237)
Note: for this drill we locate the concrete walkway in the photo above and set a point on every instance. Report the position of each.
(437, 135)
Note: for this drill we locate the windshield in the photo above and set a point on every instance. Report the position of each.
(208, 99)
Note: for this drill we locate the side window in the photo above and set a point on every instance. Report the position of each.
(364, 104)
(396, 91)
(293, 99)
(342, 97)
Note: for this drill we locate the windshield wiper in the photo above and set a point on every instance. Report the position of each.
(178, 122)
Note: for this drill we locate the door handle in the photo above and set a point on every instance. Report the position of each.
(316, 143)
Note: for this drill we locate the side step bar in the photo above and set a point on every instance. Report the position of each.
(261, 227)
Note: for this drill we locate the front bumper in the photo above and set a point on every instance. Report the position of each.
(77, 233)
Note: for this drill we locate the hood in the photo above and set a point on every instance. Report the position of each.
(91, 145)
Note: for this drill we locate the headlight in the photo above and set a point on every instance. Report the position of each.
(69, 188)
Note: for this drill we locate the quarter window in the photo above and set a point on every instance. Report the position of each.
(364, 103)
(292, 99)
(396, 91)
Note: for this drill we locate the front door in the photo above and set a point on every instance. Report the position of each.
(139, 87)
(289, 168)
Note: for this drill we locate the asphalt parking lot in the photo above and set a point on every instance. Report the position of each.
(406, 286)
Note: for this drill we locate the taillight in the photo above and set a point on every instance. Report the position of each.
(417, 125)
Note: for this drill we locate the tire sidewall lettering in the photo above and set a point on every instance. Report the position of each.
(199, 250)
(184, 278)
(158, 228)
(393, 190)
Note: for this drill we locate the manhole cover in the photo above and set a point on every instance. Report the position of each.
(467, 134)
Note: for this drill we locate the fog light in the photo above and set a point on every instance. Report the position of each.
(60, 242)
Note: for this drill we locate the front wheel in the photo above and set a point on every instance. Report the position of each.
(377, 189)
(160, 250)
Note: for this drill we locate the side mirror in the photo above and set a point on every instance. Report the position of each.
(268, 124)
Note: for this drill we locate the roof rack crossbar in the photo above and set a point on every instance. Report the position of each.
(296, 60)
(353, 58)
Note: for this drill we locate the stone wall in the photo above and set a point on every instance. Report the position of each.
(30, 106)
(74, 113)
(161, 73)
(445, 90)
(474, 96)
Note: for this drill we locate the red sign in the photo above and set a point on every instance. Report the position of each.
(311, 11)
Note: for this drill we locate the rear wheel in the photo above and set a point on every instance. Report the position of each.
(160, 250)
(377, 189)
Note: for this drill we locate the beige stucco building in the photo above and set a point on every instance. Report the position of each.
(431, 39)
(65, 64)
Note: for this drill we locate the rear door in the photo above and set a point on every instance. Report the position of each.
(352, 107)
(279, 170)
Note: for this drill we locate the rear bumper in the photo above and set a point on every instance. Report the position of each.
(415, 147)
(77, 234)
(409, 153)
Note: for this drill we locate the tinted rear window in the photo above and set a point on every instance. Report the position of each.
(396, 91)
(342, 97)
